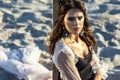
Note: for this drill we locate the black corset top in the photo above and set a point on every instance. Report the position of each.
(84, 67)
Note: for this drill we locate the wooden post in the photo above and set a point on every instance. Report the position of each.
(55, 16)
(55, 73)
(55, 10)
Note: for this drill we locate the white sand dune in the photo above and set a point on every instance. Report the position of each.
(25, 23)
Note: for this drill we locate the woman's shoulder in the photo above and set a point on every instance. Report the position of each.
(61, 46)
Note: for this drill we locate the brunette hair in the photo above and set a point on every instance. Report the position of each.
(56, 34)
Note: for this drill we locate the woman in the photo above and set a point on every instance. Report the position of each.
(72, 43)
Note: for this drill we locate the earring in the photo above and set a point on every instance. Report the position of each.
(65, 33)
(82, 32)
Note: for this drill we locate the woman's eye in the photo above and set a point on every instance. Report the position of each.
(71, 18)
(79, 18)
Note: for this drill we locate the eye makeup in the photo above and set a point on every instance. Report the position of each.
(73, 18)
(80, 17)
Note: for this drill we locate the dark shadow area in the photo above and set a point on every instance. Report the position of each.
(4, 75)
(50, 5)
(10, 45)
(15, 36)
(95, 17)
(103, 8)
(15, 11)
(111, 27)
(43, 27)
(117, 67)
(109, 52)
(107, 36)
(8, 18)
(23, 43)
(37, 33)
(28, 16)
(28, 1)
(16, 26)
(34, 32)
(88, 1)
(97, 31)
(100, 44)
(115, 75)
(6, 5)
(40, 44)
(110, 43)
(23, 8)
(40, 1)
(47, 14)
(10, 26)
(48, 22)
(115, 11)
(116, 2)
(29, 27)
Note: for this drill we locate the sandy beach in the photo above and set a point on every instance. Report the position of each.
(26, 23)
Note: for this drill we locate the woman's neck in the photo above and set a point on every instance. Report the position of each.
(75, 38)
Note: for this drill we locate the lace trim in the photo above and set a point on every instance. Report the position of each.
(98, 67)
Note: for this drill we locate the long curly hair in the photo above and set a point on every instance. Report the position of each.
(56, 34)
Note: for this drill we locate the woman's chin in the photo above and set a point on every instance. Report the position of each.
(76, 33)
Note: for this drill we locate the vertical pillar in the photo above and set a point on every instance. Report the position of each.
(55, 11)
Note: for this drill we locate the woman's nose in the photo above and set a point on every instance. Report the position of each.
(76, 22)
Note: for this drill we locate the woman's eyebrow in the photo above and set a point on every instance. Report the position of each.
(71, 17)
(76, 16)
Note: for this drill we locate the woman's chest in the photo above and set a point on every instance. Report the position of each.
(80, 50)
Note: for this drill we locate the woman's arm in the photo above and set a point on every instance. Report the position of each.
(66, 65)
(98, 76)
(96, 67)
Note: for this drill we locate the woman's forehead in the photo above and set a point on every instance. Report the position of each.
(74, 12)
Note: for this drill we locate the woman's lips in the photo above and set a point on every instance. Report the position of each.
(76, 28)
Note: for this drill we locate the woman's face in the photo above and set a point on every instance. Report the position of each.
(74, 21)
